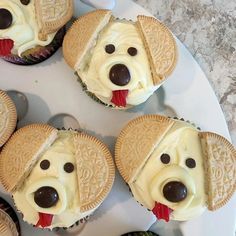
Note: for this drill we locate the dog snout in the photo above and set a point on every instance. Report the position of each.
(46, 197)
(119, 75)
(175, 191)
(5, 19)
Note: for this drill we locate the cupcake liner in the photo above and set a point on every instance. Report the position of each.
(9, 218)
(38, 54)
(140, 233)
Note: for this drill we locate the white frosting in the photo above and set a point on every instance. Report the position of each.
(67, 210)
(24, 29)
(95, 73)
(181, 142)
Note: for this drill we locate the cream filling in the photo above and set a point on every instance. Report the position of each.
(24, 29)
(67, 210)
(181, 142)
(95, 70)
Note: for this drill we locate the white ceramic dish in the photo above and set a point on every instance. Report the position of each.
(51, 89)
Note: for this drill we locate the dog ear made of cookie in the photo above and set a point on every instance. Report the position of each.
(81, 37)
(220, 169)
(8, 117)
(137, 141)
(52, 15)
(160, 46)
(95, 170)
(21, 152)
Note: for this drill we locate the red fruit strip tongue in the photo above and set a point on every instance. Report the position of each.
(6, 46)
(45, 220)
(162, 211)
(119, 97)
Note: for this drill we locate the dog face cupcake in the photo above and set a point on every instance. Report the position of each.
(173, 169)
(30, 29)
(56, 177)
(8, 117)
(120, 63)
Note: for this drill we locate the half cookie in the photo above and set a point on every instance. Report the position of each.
(8, 117)
(173, 169)
(119, 62)
(56, 177)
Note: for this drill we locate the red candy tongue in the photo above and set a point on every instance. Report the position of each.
(162, 211)
(119, 97)
(45, 220)
(6, 46)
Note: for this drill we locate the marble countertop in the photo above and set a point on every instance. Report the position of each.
(208, 29)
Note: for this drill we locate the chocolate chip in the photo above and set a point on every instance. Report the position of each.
(132, 51)
(190, 162)
(175, 191)
(5, 19)
(119, 75)
(45, 164)
(25, 2)
(165, 158)
(110, 48)
(46, 197)
(69, 167)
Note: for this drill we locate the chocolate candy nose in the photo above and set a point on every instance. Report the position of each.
(5, 19)
(46, 197)
(119, 75)
(175, 191)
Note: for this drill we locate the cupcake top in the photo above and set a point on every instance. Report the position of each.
(7, 118)
(59, 177)
(25, 24)
(120, 61)
(174, 169)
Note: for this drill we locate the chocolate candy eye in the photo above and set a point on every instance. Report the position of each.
(45, 164)
(132, 51)
(165, 158)
(110, 48)
(5, 19)
(69, 167)
(25, 2)
(190, 163)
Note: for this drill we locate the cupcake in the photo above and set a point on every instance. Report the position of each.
(120, 63)
(8, 117)
(57, 178)
(9, 223)
(32, 30)
(173, 169)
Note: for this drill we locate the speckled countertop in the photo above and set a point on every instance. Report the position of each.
(208, 29)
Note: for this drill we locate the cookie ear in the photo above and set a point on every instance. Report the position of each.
(82, 36)
(220, 169)
(95, 170)
(21, 152)
(8, 117)
(160, 46)
(52, 15)
(137, 141)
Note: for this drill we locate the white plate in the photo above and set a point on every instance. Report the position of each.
(51, 89)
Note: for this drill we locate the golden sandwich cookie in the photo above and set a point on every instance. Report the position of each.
(56, 177)
(173, 169)
(119, 62)
(8, 117)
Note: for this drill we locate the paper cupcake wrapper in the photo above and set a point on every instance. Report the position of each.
(140, 233)
(35, 56)
(12, 223)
